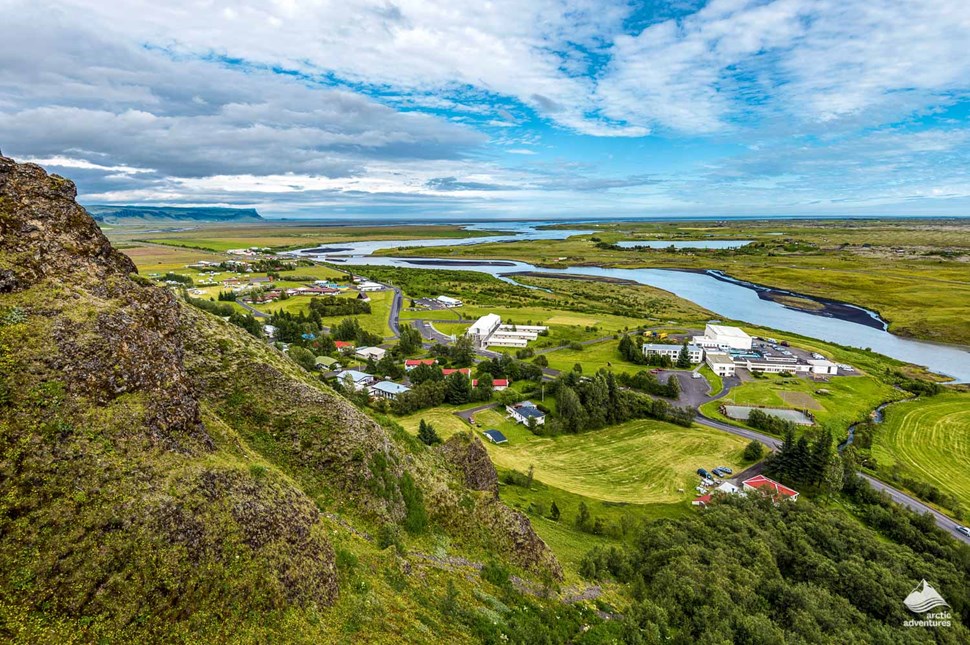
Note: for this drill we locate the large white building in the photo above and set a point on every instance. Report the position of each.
(448, 301)
(723, 337)
(489, 331)
(695, 352)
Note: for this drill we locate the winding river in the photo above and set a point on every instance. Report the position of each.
(728, 298)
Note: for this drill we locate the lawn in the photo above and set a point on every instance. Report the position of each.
(849, 398)
(929, 438)
(375, 321)
(442, 418)
(638, 462)
(592, 358)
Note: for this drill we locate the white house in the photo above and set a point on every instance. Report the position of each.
(388, 390)
(355, 379)
(365, 353)
(720, 363)
(448, 301)
(695, 352)
(723, 337)
(370, 286)
(524, 411)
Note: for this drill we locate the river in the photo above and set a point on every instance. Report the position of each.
(729, 299)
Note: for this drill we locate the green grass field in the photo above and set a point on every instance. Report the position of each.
(639, 462)
(593, 358)
(930, 440)
(375, 321)
(850, 398)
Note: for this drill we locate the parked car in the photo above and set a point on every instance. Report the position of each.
(717, 472)
(964, 529)
(703, 473)
(655, 371)
(697, 375)
(725, 469)
(709, 482)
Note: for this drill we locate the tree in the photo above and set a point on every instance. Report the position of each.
(570, 409)
(819, 458)
(462, 352)
(410, 340)
(578, 368)
(484, 388)
(554, 512)
(303, 357)
(683, 358)
(582, 517)
(458, 388)
(754, 450)
(529, 476)
(427, 433)
(541, 361)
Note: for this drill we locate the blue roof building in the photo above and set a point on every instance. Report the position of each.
(495, 436)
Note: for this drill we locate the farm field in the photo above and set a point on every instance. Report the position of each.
(159, 259)
(929, 438)
(284, 235)
(638, 462)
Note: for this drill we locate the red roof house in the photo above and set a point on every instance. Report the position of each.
(702, 500)
(344, 344)
(770, 487)
(411, 363)
(498, 384)
(464, 370)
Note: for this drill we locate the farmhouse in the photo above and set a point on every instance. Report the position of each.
(357, 380)
(411, 363)
(524, 411)
(723, 337)
(695, 352)
(388, 390)
(366, 353)
(448, 301)
(720, 363)
(770, 487)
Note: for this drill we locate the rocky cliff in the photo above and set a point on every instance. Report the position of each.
(164, 473)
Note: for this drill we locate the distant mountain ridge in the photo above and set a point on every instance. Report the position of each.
(121, 215)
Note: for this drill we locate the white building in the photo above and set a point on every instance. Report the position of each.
(357, 380)
(365, 353)
(524, 411)
(695, 352)
(388, 390)
(449, 301)
(489, 331)
(822, 366)
(270, 331)
(720, 363)
(723, 337)
(369, 286)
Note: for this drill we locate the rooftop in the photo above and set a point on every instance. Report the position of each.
(391, 387)
(495, 436)
(724, 330)
(770, 486)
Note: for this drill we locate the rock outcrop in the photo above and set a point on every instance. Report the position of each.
(469, 456)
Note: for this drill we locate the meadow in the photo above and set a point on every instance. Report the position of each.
(929, 439)
(836, 404)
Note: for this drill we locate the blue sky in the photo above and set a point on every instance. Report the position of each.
(502, 109)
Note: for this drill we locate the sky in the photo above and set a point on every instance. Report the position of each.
(504, 109)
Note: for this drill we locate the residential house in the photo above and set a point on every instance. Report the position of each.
(448, 371)
(770, 487)
(411, 363)
(524, 411)
(367, 353)
(344, 345)
(498, 384)
(357, 380)
(388, 390)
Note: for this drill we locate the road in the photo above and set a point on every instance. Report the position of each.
(253, 310)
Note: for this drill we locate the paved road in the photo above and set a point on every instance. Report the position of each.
(914, 504)
(393, 319)
(253, 310)
(470, 412)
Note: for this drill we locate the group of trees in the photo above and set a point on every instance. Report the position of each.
(769, 423)
(649, 383)
(509, 368)
(326, 306)
(461, 353)
(349, 329)
(632, 351)
(246, 321)
(430, 387)
(795, 573)
(590, 403)
(805, 463)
